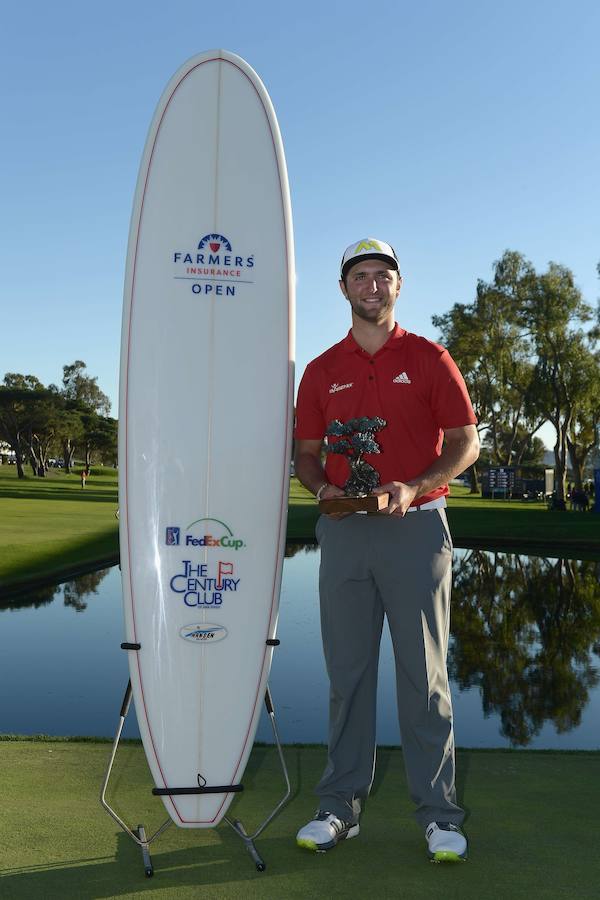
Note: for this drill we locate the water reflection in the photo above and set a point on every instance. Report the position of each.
(525, 629)
(75, 593)
(34, 598)
(523, 656)
(292, 548)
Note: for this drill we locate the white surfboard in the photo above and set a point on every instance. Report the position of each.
(205, 427)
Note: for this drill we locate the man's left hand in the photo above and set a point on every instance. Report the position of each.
(401, 496)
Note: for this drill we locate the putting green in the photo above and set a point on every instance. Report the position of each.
(532, 829)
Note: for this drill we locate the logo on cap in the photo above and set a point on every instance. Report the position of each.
(366, 246)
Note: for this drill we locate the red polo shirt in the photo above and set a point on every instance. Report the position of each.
(412, 383)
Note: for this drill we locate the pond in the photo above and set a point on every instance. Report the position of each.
(524, 656)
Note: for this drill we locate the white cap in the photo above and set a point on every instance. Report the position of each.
(368, 248)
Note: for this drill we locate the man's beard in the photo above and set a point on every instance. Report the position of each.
(374, 315)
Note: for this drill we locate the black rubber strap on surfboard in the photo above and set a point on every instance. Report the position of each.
(207, 789)
(127, 646)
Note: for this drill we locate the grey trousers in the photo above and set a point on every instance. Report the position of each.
(373, 566)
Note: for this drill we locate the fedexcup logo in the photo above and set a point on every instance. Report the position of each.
(203, 634)
(206, 532)
(214, 267)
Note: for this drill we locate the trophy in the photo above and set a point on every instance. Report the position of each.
(355, 438)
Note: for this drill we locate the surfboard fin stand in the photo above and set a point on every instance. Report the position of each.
(139, 834)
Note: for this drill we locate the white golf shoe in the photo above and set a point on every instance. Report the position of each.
(445, 842)
(324, 831)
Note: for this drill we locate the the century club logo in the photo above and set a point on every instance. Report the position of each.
(198, 584)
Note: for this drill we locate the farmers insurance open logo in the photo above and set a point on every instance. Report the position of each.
(214, 268)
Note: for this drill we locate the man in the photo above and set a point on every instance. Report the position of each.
(397, 563)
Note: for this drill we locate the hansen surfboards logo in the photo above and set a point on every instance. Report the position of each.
(215, 268)
(203, 634)
(197, 535)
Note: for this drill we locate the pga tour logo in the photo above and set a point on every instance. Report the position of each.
(214, 267)
(173, 535)
(203, 634)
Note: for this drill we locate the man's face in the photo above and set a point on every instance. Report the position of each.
(372, 287)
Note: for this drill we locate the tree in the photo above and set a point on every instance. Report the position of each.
(515, 447)
(83, 399)
(493, 351)
(527, 360)
(44, 410)
(100, 434)
(83, 389)
(583, 436)
(34, 419)
(553, 313)
(69, 432)
(13, 402)
(28, 415)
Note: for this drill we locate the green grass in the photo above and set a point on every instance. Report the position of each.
(484, 523)
(532, 818)
(473, 518)
(50, 528)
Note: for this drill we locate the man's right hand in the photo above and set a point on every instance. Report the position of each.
(330, 493)
(310, 472)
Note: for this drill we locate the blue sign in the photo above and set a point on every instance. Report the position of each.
(172, 536)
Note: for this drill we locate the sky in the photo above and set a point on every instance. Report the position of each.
(452, 131)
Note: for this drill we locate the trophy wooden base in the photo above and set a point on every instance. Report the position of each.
(371, 504)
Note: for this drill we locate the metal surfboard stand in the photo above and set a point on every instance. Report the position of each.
(139, 834)
(237, 826)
